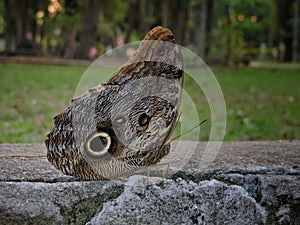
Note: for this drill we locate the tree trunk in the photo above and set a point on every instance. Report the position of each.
(284, 15)
(11, 27)
(203, 23)
(134, 13)
(209, 24)
(296, 31)
(203, 20)
(22, 25)
(197, 26)
(69, 49)
(89, 30)
(21, 28)
(164, 12)
(229, 50)
(175, 17)
(70, 43)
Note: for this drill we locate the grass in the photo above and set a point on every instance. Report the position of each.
(31, 96)
(262, 104)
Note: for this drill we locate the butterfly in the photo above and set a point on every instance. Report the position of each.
(125, 123)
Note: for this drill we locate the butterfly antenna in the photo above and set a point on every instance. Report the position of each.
(178, 117)
(189, 130)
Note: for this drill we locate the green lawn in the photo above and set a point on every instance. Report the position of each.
(262, 104)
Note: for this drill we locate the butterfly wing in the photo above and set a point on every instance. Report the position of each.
(117, 127)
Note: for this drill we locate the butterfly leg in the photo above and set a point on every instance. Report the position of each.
(165, 173)
(146, 180)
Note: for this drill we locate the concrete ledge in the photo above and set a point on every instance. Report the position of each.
(247, 183)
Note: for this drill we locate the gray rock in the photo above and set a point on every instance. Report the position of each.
(181, 202)
(53, 203)
(247, 183)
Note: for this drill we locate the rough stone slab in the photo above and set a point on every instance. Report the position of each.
(181, 202)
(27, 162)
(247, 183)
(242, 157)
(59, 203)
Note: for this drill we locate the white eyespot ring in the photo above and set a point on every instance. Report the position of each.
(98, 144)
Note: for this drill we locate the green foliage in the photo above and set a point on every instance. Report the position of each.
(240, 24)
(229, 42)
(111, 18)
(57, 26)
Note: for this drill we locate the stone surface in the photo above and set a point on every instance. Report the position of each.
(247, 183)
(181, 202)
(53, 203)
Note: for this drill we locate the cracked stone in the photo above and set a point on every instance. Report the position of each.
(183, 202)
(247, 183)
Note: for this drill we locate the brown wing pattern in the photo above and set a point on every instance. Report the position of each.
(124, 124)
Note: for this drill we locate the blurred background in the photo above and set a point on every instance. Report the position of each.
(252, 47)
(220, 31)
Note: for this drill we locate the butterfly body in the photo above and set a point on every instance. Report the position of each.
(124, 124)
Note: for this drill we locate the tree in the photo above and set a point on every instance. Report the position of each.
(71, 19)
(175, 16)
(202, 25)
(21, 25)
(296, 31)
(11, 26)
(89, 30)
(220, 30)
(284, 17)
(134, 12)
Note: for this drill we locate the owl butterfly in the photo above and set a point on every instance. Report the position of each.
(124, 124)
